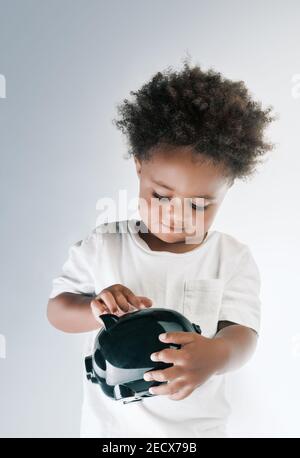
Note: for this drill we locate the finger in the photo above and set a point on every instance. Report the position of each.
(145, 301)
(107, 297)
(163, 375)
(181, 337)
(132, 298)
(99, 306)
(121, 301)
(168, 388)
(169, 355)
(98, 310)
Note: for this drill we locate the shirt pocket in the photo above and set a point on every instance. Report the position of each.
(202, 300)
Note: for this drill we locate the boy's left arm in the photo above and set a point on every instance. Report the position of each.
(201, 357)
(241, 343)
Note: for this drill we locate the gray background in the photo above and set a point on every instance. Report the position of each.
(67, 64)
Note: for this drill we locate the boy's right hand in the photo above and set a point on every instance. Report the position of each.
(119, 300)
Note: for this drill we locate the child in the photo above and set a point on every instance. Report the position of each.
(191, 133)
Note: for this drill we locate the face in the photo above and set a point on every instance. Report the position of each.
(180, 194)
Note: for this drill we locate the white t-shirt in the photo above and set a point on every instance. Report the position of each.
(219, 280)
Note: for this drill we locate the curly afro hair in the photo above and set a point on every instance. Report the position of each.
(213, 115)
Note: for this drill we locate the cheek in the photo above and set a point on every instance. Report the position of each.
(196, 224)
(149, 207)
(201, 220)
(210, 215)
(155, 210)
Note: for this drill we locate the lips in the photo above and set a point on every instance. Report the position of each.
(172, 227)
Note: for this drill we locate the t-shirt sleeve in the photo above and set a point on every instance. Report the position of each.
(77, 275)
(241, 301)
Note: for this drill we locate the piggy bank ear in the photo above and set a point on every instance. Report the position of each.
(197, 328)
(108, 319)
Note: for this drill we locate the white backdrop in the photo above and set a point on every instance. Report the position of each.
(66, 65)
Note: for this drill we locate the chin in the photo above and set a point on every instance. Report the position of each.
(171, 237)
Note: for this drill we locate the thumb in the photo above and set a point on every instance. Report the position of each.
(97, 310)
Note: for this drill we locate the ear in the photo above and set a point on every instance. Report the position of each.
(138, 165)
(231, 182)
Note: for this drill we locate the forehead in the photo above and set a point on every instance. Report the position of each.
(184, 172)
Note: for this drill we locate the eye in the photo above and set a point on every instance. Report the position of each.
(157, 196)
(194, 206)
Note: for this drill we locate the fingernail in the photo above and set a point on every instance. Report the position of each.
(147, 377)
(153, 357)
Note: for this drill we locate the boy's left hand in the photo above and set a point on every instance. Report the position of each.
(193, 364)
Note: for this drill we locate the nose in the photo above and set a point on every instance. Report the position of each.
(176, 226)
(174, 217)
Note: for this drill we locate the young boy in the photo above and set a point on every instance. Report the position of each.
(191, 133)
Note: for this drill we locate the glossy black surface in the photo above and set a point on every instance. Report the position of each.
(123, 347)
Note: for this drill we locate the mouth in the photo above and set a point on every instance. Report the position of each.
(171, 228)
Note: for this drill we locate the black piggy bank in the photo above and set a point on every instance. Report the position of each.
(122, 349)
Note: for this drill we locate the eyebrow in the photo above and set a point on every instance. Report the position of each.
(171, 189)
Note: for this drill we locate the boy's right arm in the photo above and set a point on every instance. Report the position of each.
(73, 312)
